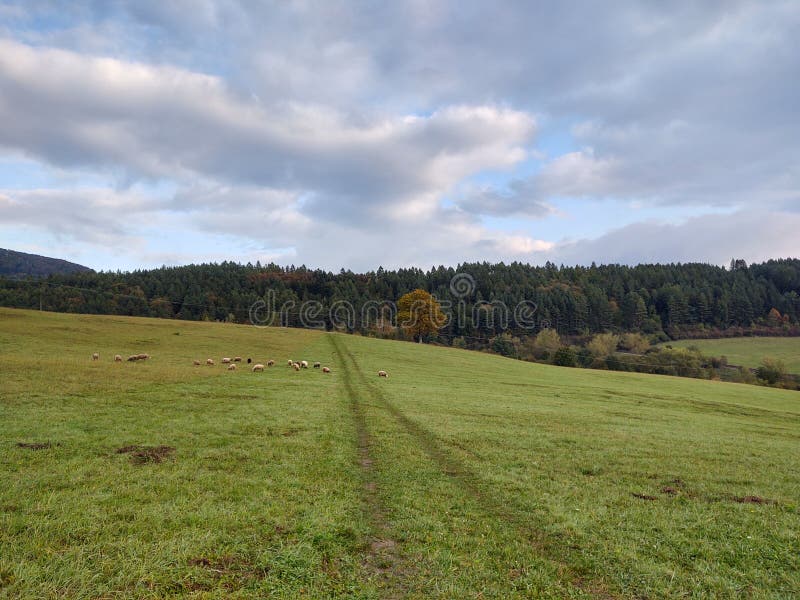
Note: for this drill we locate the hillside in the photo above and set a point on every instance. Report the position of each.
(462, 473)
(667, 301)
(750, 351)
(15, 265)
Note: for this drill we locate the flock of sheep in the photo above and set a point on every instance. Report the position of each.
(118, 358)
(231, 363)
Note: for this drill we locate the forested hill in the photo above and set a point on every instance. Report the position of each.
(15, 264)
(678, 299)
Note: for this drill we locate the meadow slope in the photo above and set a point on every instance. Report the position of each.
(750, 351)
(462, 475)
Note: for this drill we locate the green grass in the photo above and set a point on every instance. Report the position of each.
(750, 351)
(463, 475)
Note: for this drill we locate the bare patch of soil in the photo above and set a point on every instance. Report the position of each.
(753, 500)
(35, 445)
(141, 455)
(643, 496)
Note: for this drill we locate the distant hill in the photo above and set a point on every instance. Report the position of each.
(16, 265)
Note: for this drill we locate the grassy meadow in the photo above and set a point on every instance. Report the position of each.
(750, 351)
(462, 475)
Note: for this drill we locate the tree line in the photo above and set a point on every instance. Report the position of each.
(669, 301)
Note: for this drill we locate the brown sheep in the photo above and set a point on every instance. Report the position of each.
(383, 374)
(210, 362)
(197, 363)
(231, 367)
(96, 356)
(117, 358)
(270, 363)
(326, 370)
(258, 367)
(142, 356)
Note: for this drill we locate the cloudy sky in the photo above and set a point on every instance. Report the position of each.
(347, 134)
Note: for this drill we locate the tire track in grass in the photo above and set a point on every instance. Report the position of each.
(505, 510)
(383, 558)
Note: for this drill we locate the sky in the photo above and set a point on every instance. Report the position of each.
(362, 134)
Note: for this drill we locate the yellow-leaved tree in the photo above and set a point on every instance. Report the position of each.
(419, 314)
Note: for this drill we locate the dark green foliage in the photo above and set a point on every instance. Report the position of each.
(565, 357)
(771, 371)
(679, 299)
(16, 265)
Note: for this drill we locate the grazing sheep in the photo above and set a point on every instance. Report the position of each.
(117, 358)
(317, 365)
(304, 364)
(225, 361)
(197, 363)
(96, 356)
(296, 367)
(383, 374)
(258, 367)
(237, 359)
(231, 367)
(249, 360)
(133, 357)
(326, 370)
(210, 362)
(270, 363)
(142, 356)
(290, 362)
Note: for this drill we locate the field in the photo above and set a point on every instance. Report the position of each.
(749, 351)
(462, 475)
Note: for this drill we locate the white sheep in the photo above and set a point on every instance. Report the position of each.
(210, 362)
(225, 361)
(290, 362)
(237, 359)
(197, 363)
(317, 365)
(96, 356)
(270, 363)
(326, 370)
(117, 358)
(296, 366)
(231, 367)
(304, 364)
(258, 367)
(383, 374)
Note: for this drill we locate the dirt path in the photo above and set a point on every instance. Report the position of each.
(513, 514)
(383, 558)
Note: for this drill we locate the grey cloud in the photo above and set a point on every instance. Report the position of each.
(163, 122)
(94, 216)
(522, 197)
(714, 238)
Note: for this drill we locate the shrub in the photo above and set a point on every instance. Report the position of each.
(635, 342)
(603, 344)
(546, 342)
(772, 371)
(564, 357)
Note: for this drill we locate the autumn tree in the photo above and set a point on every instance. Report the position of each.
(603, 344)
(419, 314)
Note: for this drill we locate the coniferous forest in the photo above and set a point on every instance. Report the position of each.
(669, 301)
